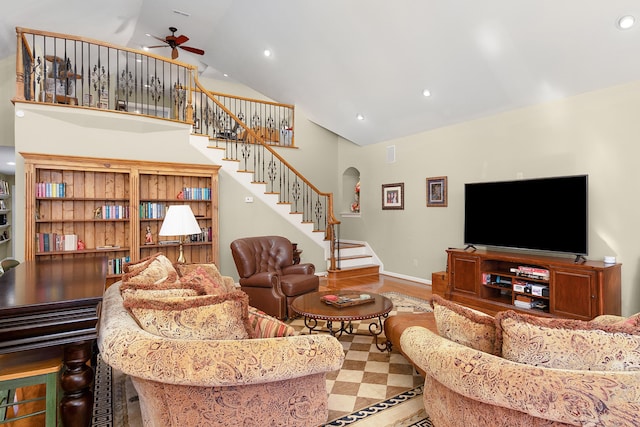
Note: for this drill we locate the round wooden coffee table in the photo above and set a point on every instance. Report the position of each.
(313, 308)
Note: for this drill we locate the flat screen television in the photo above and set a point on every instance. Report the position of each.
(545, 214)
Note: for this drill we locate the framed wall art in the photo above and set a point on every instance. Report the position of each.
(437, 191)
(393, 196)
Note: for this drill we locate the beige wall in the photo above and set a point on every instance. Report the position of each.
(595, 133)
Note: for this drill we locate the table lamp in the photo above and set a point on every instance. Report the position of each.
(179, 221)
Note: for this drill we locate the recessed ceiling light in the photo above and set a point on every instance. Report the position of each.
(226, 75)
(267, 52)
(180, 12)
(426, 92)
(11, 163)
(626, 22)
(360, 117)
(145, 48)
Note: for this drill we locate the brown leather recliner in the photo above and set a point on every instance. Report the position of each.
(268, 275)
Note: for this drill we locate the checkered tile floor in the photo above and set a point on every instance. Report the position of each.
(368, 375)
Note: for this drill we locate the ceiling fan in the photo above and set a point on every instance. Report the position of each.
(175, 42)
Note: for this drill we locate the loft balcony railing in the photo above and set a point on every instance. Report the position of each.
(74, 71)
(78, 72)
(228, 118)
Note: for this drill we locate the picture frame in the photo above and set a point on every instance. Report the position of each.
(437, 191)
(393, 196)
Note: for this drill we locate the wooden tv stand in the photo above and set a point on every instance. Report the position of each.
(491, 281)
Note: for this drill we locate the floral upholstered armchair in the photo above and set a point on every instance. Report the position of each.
(540, 371)
(198, 355)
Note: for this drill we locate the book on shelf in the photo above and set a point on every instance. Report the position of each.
(116, 265)
(51, 189)
(168, 242)
(196, 193)
(114, 212)
(106, 247)
(4, 188)
(153, 210)
(531, 272)
(54, 242)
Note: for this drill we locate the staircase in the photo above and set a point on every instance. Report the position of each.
(355, 259)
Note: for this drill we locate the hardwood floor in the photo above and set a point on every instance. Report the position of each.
(379, 284)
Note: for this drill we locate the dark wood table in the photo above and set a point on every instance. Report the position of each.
(54, 304)
(313, 308)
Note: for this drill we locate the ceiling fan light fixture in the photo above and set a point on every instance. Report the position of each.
(626, 22)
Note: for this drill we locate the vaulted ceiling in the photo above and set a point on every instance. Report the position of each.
(337, 59)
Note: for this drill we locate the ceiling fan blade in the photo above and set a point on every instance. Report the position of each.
(174, 53)
(158, 38)
(162, 45)
(182, 39)
(193, 50)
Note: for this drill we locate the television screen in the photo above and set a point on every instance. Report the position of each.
(546, 214)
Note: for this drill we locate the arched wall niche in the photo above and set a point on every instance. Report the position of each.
(350, 198)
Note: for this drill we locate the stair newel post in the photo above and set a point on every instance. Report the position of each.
(19, 67)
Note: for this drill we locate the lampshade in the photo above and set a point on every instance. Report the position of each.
(179, 221)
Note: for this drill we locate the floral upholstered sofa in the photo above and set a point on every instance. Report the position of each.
(522, 370)
(198, 355)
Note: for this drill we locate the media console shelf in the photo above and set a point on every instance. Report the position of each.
(493, 281)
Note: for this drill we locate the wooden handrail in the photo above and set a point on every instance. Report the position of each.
(21, 30)
(242, 98)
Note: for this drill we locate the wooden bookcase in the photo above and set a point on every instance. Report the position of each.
(104, 202)
(486, 280)
(5, 219)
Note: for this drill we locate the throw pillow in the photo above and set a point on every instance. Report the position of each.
(199, 278)
(464, 325)
(158, 293)
(207, 317)
(264, 326)
(156, 269)
(211, 270)
(568, 343)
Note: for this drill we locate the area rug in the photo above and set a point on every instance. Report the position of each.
(372, 389)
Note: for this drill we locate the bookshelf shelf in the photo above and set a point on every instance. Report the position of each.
(95, 188)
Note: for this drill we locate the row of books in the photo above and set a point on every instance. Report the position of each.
(114, 212)
(50, 189)
(54, 242)
(205, 236)
(4, 188)
(153, 210)
(115, 265)
(196, 193)
(531, 272)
